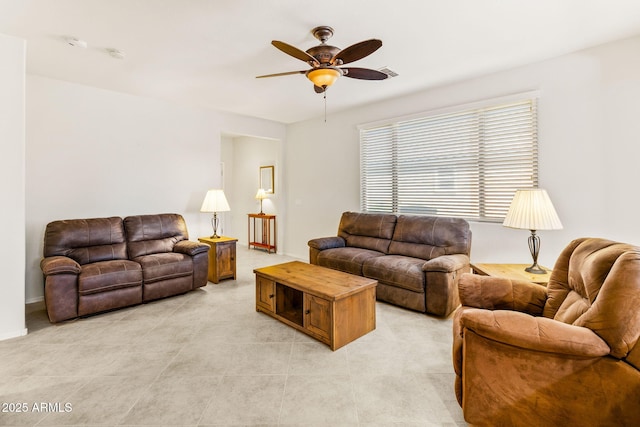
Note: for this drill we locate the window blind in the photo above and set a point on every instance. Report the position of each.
(465, 163)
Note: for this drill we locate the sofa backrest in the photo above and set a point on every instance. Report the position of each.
(151, 234)
(428, 237)
(595, 283)
(368, 231)
(86, 240)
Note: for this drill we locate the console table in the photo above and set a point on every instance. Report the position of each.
(222, 258)
(263, 234)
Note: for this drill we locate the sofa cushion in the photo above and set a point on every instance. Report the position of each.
(164, 266)
(105, 276)
(149, 234)
(86, 240)
(428, 237)
(368, 231)
(400, 271)
(347, 259)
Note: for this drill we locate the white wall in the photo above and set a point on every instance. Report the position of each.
(588, 152)
(96, 153)
(12, 178)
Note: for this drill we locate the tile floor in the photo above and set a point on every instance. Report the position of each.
(208, 358)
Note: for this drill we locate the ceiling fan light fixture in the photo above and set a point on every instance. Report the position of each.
(323, 77)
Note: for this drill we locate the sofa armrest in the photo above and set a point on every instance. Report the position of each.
(190, 248)
(323, 243)
(446, 263)
(441, 277)
(318, 245)
(533, 333)
(498, 293)
(59, 265)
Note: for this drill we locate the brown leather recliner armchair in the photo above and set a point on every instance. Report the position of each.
(567, 354)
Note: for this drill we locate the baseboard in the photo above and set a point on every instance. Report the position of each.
(297, 256)
(34, 300)
(16, 334)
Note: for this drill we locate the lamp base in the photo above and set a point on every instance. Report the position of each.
(534, 248)
(214, 223)
(535, 269)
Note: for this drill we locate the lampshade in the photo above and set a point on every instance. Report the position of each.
(215, 201)
(323, 76)
(261, 194)
(531, 209)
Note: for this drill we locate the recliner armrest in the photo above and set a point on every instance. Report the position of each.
(323, 243)
(59, 265)
(190, 248)
(446, 263)
(533, 333)
(498, 293)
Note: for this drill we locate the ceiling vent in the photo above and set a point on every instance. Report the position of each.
(388, 72)
(75, 42)
(116, 53)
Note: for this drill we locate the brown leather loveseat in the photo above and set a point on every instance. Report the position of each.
(563, 355)
(415, 259)
(99, 264)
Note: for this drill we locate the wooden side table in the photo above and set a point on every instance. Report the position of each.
(511, 271)
(222, 258)
(266, 239)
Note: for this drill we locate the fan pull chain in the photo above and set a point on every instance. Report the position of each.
(325, 104)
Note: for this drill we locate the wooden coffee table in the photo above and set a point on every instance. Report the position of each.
(331, 306)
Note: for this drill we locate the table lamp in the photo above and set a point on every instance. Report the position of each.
(531, 209)
(215, 202)
(261, 195)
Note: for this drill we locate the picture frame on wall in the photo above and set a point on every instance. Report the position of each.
(267, 179)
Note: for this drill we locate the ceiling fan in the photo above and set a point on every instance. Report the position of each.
(326, 61)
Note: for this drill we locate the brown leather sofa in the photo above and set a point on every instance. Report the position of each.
(564, 355)
(99, 264)
(415, 259)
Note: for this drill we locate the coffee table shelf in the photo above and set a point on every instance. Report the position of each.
(328, 305)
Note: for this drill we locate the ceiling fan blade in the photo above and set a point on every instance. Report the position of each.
(356, 51)
(364, 73)
(288, 73)
(319, 89)
(295, 52)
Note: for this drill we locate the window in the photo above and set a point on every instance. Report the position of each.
(465, 163)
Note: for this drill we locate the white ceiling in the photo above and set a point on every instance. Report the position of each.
(208, 52)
